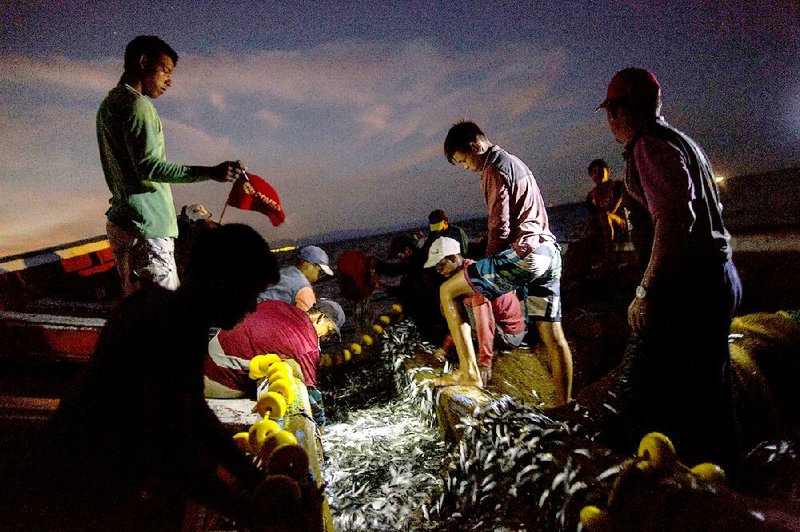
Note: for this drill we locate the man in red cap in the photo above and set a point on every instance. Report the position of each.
(677, 365)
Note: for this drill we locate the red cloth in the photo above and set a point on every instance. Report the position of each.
(261, 197)
(275, 327)
(355, 275)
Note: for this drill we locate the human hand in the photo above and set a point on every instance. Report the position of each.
(638, 317)
(440, 354)
(228, 171)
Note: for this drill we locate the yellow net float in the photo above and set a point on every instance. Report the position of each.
(397, 307)
(709, 472)
(367, 340)
(656, 451)
(242, 440)
(260, 364)
(271, 405)
(386, 320)
(285, 387)
(355, 348)
(259, 432)
(377, 328)
(290, 460)
(280, 367)
(275, 441)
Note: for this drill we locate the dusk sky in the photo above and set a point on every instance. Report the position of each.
(343, 106)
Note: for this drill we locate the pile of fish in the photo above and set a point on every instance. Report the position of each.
(515, 467)
(384, 459)
(382, 466)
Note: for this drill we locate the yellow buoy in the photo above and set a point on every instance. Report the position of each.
(377, 328)
(347, 355)
(285, 387)
(355, 348)
(386, 320)
(275, 441)
(367, 339)
(271, 405)
(259, 432)
(242, 441)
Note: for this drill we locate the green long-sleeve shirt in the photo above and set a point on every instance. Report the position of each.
(137, 172)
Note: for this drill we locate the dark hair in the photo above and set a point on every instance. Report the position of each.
(151, 47)
(400, 243)
(459, 137)
(234, 256)
(437, 216)
(598, 162)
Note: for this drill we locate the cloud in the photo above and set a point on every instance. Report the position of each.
(348, 132)
(59, 73)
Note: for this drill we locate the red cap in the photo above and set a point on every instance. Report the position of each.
(638, 82)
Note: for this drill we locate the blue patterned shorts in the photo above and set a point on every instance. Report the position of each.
(536, 279)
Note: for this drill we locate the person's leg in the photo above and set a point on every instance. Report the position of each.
(555, 342)
(142, 260)
(154, 262)
(121, 243)
(543, 305)
(467, 374)
(317, 407)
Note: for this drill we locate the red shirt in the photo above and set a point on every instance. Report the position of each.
(275, 327)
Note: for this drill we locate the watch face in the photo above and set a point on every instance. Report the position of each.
(641, 292)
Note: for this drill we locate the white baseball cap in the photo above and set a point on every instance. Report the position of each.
(442, 247)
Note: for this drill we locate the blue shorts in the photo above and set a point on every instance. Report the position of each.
(536, 278)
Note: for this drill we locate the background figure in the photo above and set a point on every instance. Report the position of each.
(136, 438)
(275, 327)
(355, 273)
(439, 225)
(192, 221)
(677, 365)
(295, 282)
(142, 225)
(606, 224)
(418, 290)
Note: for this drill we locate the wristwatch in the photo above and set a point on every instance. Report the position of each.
(641, 292)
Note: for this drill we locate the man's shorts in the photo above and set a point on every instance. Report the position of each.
(537, 276)
(142, 260)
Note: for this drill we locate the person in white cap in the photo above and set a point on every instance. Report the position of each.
(501, 313)
(295, 284)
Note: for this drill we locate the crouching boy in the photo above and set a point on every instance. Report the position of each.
(502, 313)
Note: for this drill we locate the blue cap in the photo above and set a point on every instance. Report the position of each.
(315, 255)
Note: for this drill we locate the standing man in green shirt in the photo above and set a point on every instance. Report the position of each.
(142, 224)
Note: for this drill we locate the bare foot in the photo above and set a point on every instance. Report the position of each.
(458, 378)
